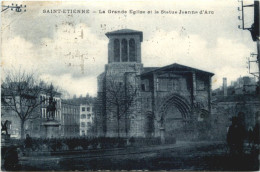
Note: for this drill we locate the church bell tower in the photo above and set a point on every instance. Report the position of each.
(124, 46)
(123, 68)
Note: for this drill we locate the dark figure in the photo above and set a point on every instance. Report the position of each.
(11, 159)
(256, 137)
(28, 142)
(256, 134)
(256, 142)
(236, 136)
(132, 141)
(250, 137)
(4, 129)
(257, 90)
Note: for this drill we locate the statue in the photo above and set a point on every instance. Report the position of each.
(51, 125)
(161, 121)
(51, 108)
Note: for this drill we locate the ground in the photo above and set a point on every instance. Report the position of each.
(180, 156)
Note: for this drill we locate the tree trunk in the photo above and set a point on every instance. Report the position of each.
(126, 129)
(118, 118)
(22, 129)
(118, 135)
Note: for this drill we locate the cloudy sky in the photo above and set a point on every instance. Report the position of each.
(70, 50)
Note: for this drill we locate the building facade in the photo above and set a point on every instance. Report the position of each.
(142, 101)
(70, 119)
(86, 119)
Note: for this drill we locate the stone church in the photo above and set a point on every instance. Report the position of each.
(138, 101)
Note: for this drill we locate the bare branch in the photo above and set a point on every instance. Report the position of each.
(120, 96)
(24, 90)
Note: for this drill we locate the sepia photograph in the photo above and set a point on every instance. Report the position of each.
(130, 85)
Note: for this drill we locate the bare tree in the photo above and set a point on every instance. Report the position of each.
(120, 96)
(20, 93)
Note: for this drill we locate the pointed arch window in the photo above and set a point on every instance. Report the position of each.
(124, 51)
(132, 50)
(116, 50)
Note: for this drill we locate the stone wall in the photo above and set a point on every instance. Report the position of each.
(124, 73)
(192, 95)
(222, 112)
(149, 102)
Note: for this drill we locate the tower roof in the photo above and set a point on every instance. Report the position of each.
(126, 32)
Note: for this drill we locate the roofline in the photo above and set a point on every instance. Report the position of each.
(191, 68)
(90, 104)
(127, 33)
(68, 103)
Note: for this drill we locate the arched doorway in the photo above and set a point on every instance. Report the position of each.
(173, 121)
(175, 117)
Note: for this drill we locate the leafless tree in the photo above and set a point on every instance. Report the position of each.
(20, 92)
(120, 96)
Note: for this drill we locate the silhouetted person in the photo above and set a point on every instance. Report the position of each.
(250, 136)
(257, 90)
(256, 142)
(256, 137)
(236, 136)
(28, 142)
(256, 134)
(11, 159)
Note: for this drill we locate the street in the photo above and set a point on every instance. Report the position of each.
(181, 156)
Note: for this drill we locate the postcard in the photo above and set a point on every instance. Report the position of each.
(130, 85)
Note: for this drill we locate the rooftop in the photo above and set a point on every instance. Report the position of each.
(174, 67)
(126, 32)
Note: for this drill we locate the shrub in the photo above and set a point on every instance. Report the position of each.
(56, 144)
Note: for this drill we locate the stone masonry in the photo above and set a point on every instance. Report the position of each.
(171, 101)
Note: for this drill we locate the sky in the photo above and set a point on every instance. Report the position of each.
(70, 49)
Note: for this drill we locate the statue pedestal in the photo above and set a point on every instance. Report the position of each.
(162, 135)
(52, 129)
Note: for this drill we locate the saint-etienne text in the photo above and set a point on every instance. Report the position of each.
(132, 12)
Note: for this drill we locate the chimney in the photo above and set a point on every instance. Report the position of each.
(225, 86)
